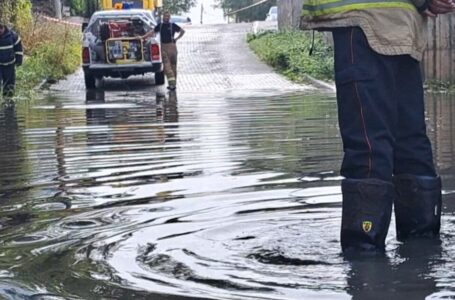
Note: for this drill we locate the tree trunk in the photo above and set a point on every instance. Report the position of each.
(57, 9)
(289, 12)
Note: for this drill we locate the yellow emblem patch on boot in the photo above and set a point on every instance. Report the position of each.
(367, 226)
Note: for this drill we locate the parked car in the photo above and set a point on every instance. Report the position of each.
(181, 20)
(113, 47)
(272, 15)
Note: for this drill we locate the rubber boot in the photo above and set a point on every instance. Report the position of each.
(172, 84)
(417, 206)
(367, 210)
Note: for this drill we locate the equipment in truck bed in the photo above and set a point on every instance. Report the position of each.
(124, 50)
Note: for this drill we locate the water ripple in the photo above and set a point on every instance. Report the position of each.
(124, 196)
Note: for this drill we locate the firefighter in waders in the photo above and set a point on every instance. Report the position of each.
(388, 159)
(167, 31)
(10, 56)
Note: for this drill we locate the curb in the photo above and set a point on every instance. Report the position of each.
(321, 84)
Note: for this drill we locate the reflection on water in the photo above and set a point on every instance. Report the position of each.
(114, 195)
(407, 275)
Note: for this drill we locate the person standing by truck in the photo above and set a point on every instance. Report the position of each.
(167, 31)
(10, 56)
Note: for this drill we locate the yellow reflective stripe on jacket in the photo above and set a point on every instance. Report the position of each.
(8, 63)
(320, 10)
(6, 47)
(320, 2)
(18, 41)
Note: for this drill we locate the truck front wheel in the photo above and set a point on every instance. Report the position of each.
(89, 80)
(159, 78)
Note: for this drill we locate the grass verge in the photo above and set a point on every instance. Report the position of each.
(289, 53)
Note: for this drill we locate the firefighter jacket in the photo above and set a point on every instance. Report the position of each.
(10, 48)
(392, 27)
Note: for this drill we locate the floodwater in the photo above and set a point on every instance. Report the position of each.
(132, 196)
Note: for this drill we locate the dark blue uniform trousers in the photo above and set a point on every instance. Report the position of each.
(381, 111)
(8, 79)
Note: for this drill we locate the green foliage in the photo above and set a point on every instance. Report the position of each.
(57, 56)
(255, 13)
(52, 50)
(16, 13)
(288, 52)
(78, 7)
(178, 6)
(84, 7)
(437, 86)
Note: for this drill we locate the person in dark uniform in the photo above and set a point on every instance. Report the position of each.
(10, 56)
(167, 31)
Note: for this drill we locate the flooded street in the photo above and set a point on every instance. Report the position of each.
(230, 194)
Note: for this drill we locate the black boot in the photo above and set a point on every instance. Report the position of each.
(367, 209)
(417, 206)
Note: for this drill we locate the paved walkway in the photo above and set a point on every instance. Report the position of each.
(212, 58)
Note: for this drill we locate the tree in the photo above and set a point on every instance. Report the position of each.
(178, 6)
(91, 6)
(255, 13)
(84, 7)
(57, 8)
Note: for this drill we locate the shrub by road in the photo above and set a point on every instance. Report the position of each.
(289, 53)
(52, 50)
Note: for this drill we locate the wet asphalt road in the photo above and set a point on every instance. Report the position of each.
(226, 189)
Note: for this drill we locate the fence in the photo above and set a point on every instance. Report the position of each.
(439, 58)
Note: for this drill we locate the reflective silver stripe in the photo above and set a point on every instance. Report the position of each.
(9, 63)
(6, 47)
(316, 6)
(19, 53)
(18, 41)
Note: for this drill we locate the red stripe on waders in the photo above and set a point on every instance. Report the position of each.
(365, 132)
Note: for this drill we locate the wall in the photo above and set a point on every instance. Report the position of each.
(439, 58)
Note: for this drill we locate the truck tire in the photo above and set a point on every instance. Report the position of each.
(89, 81)
(159, 78)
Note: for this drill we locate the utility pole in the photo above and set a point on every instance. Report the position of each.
(58, 9)
(202, 13)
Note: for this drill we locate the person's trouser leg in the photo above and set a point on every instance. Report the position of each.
(418, 204)
(167, 52)
(8, 77)
(367, 118)
(366, 106)
(173, 58)
(9, 80)
(413, 154)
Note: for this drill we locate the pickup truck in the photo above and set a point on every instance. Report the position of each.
(114, 46)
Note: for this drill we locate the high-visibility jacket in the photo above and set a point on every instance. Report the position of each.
(392, 27)
(320, 8)
(11, 51)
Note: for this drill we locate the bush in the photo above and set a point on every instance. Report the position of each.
(289, 53)
(53, 51)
